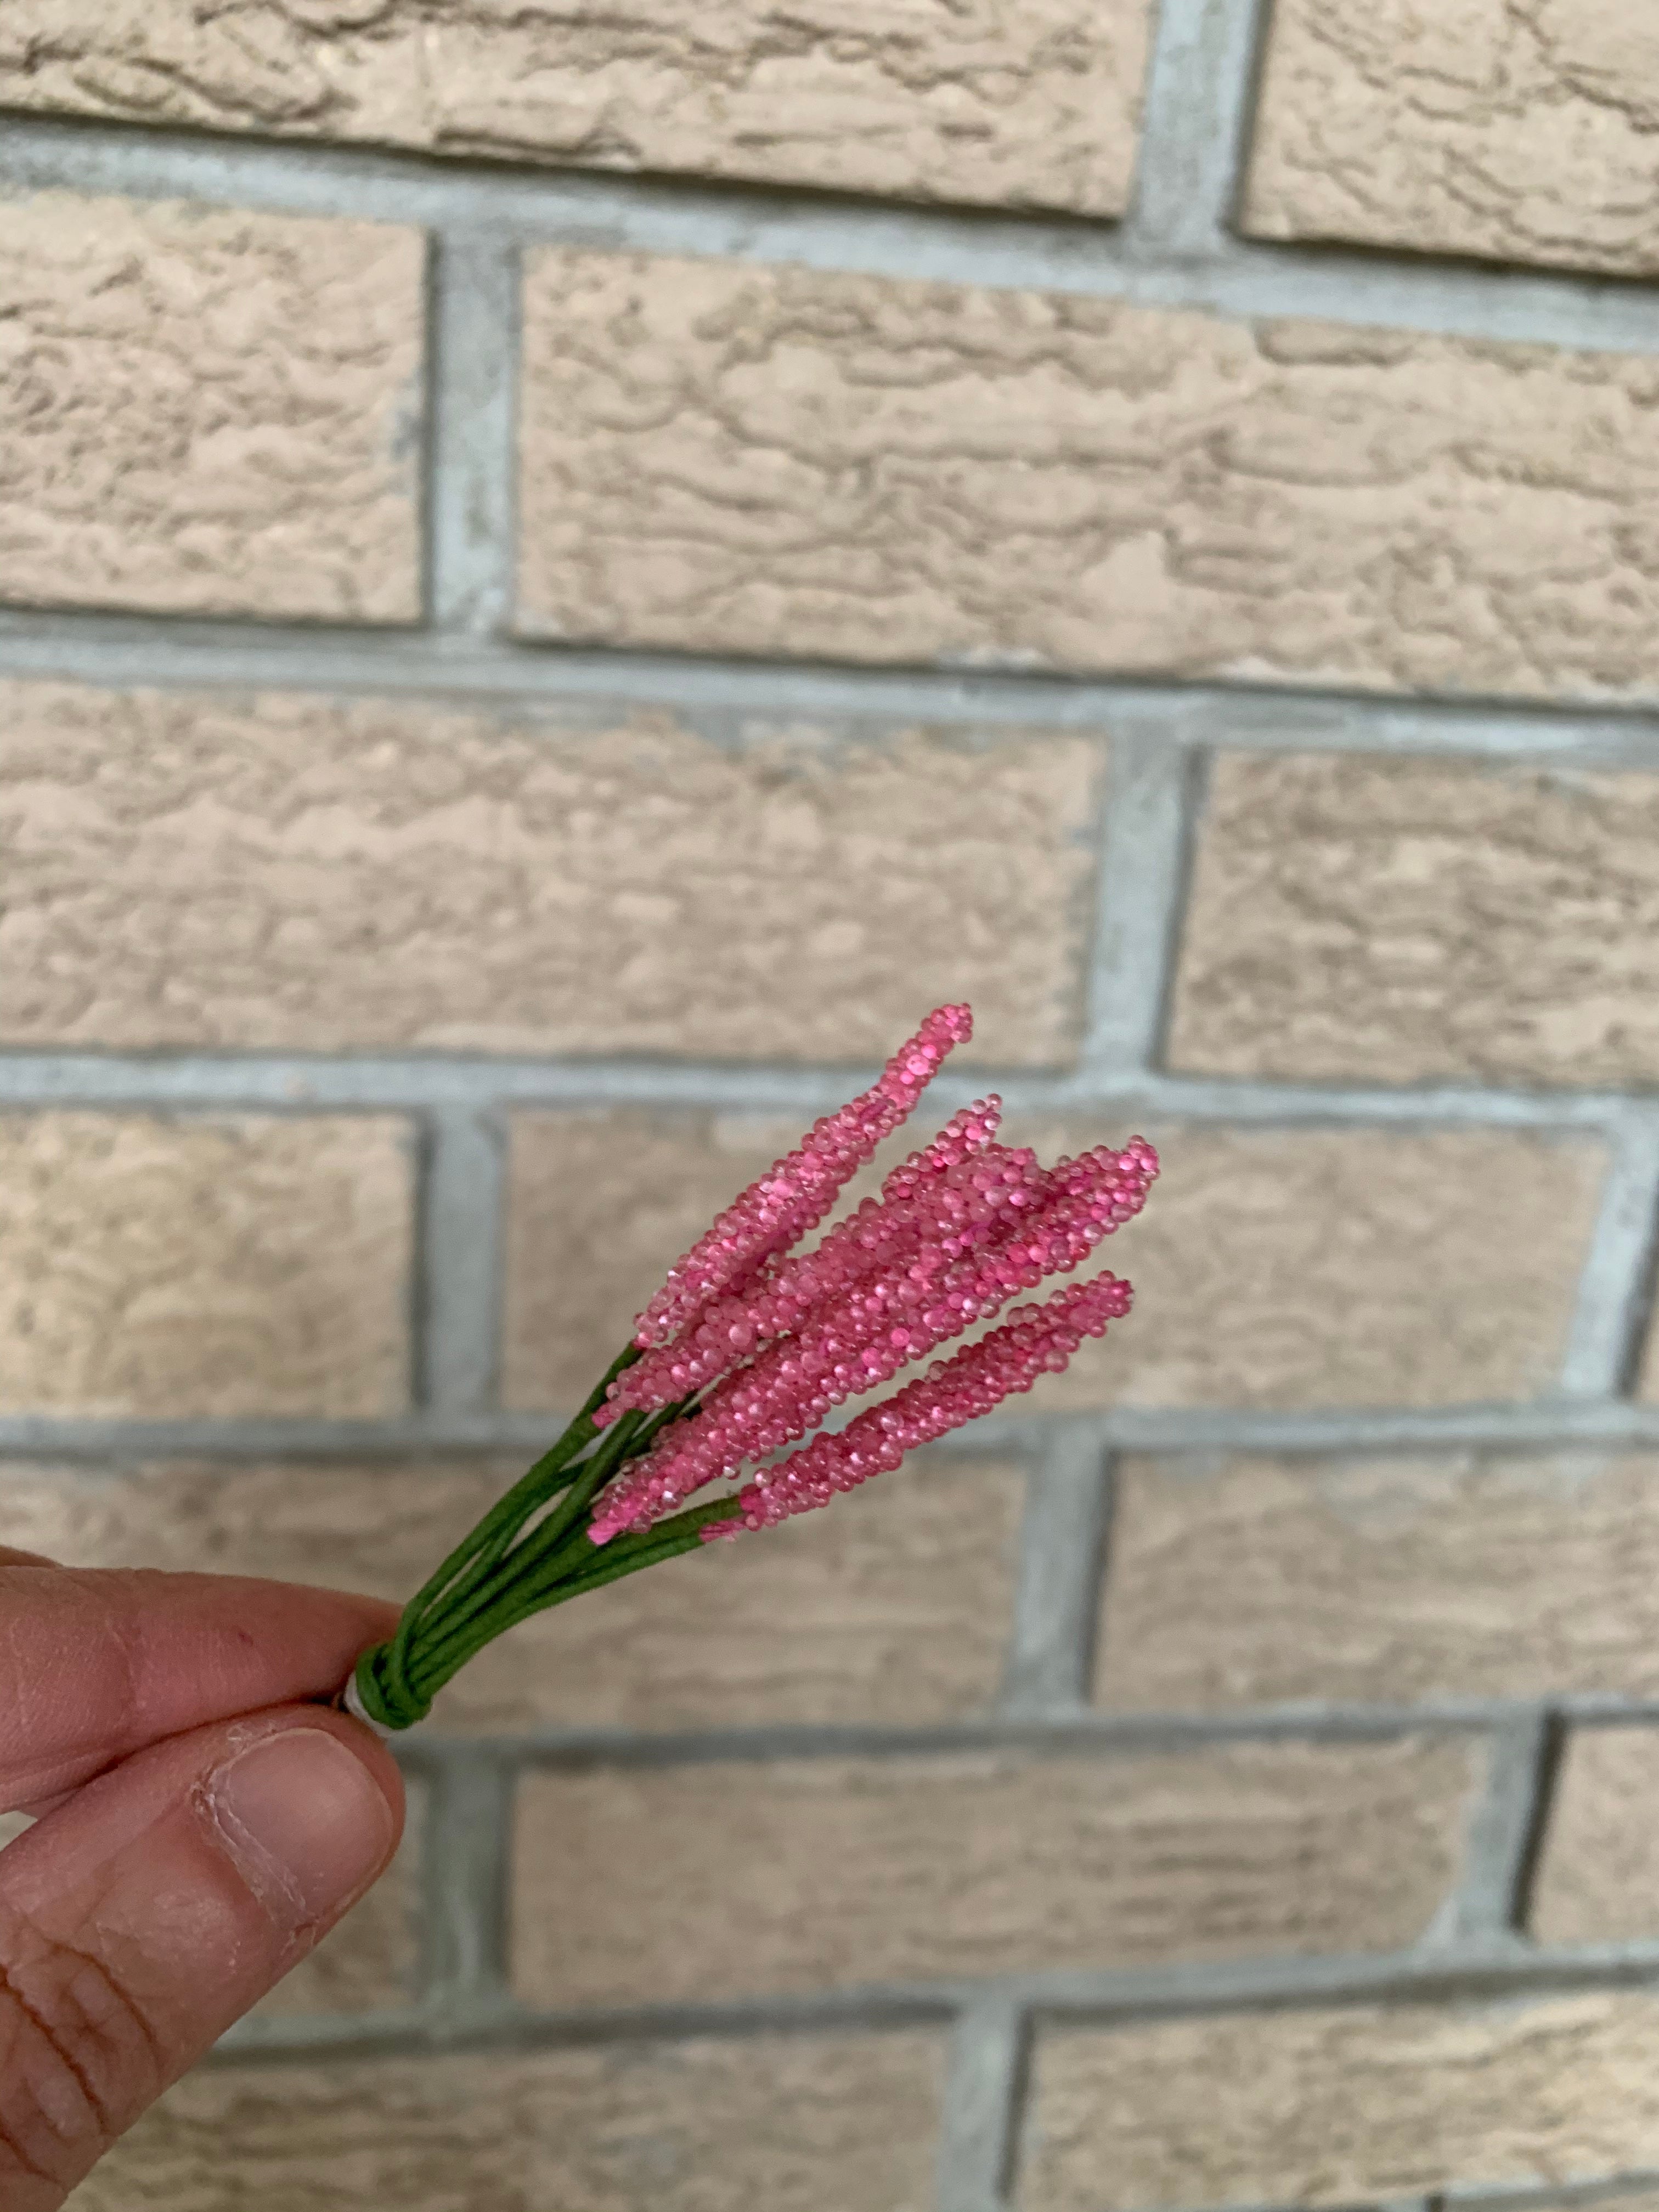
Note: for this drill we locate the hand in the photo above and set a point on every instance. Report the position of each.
(199, 1827)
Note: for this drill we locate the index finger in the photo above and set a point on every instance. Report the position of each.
(94, 1663)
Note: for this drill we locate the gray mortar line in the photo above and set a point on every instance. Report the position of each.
(460, 1246)
(472, 337)
(1105, 1998)
(1061, 1546)
(388, 1081)
(1082, 1734)
(1140, 900)
(1605, 1341)
(1241, 278)
(984, 2092)
(1545, 1425)
(190, 652)
(465, 1847)
(1500, 1845)
(1549, 2196)
(1199, 91)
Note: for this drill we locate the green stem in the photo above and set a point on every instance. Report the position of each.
(499, 1575)
(478, 1551)
(551, 1537)
(497, 1604)
(669, 1540)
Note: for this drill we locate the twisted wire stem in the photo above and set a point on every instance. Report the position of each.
(531, 1551)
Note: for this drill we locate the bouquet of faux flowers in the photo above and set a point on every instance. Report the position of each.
(749, 1344)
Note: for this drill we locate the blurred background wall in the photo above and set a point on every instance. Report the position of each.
(567, 574)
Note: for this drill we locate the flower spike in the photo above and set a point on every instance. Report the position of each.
(1036, 1341)
(749, 1345)
(794, 1195)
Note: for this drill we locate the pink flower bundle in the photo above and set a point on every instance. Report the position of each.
(751, 1345)
(775, 1341)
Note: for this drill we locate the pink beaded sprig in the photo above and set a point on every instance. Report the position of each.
(749, 1347)
(774, 1343)
(1037, 1340)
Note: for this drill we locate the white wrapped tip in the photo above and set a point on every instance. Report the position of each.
(354, 1705)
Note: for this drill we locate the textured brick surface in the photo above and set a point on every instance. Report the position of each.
(1598, 1880)
(1032, 106)
(1343, 2107)
(210, 410)
(1394, 920)
(813, 2123)
(819, 1873)
(1520, 129)
(367, 1962)
(779, 461)
(1326, 1267)
(166, 1267)
(206, 869)
(895, 1607)
(1238, 1581)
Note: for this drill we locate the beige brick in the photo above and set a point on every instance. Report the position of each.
(812, 1873)
(1395, 921)
(1031, 107)
(1459, 1574)
(790, 2124)
(368, 1963)
(784, 462)
(1330, 1267)
(221, 1264)
(1598, 1879)
(1525, 132)
(197, 868)
(893, 1608)
(210, 411)
(1343, 2107)
(1245, 1581)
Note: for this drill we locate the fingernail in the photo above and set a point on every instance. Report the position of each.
(305, 1822)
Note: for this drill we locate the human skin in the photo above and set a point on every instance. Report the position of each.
(202, 1817)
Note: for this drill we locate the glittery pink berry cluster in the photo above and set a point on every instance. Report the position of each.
(775, 1342)
(730, 1327)
(1034, 1340)
(793, 1196)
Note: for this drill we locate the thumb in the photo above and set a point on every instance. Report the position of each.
(148, 1912)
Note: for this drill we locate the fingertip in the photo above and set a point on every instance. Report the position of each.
(309, 1815)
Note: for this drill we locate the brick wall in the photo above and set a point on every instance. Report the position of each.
(563, 578)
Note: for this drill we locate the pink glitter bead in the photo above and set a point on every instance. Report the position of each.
(729, 1328)
(1034, 1340)
(857, 1334)
(961, 1227)
(795, 1194)
(773, 1343)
